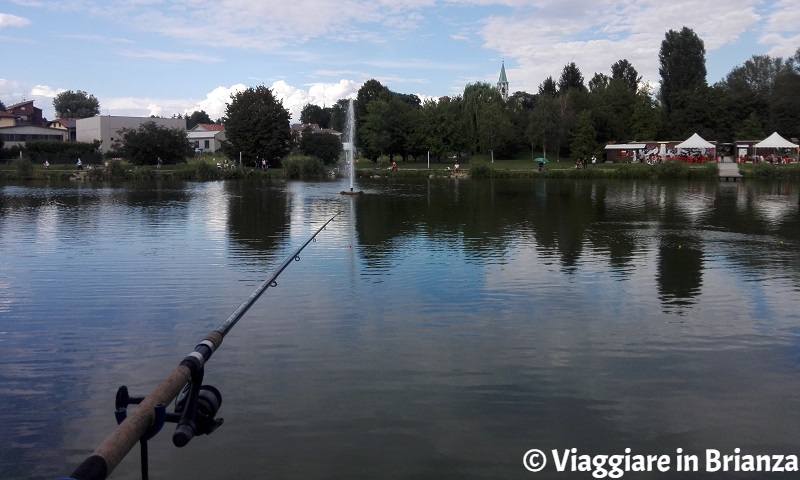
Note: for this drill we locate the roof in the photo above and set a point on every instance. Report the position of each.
(695, 141)
(301, 127)
(775, 141)
(503, 78)
(209, 127)
(626, 146)
(4, 113)
(9, 107)
(67, 122)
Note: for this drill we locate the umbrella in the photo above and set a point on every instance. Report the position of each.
(541, 160)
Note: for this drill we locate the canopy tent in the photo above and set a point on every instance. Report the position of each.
(695, 141)
(775, 141)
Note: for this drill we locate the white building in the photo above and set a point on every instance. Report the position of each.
(207, 137)
(106, 127)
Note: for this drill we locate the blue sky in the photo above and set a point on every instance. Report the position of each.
(143, 57)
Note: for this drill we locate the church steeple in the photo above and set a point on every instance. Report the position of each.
(502, 83)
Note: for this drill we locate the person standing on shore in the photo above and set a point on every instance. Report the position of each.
(80, 164)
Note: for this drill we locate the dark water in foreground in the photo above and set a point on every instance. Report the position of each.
(435, 330)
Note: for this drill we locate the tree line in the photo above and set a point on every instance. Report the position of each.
(574, 117)
(569, 116)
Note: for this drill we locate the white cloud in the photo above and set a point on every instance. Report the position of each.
(595, 35)
(12, 21)
(215, 102)
(171, 56)
(322, 94)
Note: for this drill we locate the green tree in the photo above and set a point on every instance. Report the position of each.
(544, 128)
(548, 87)
(623, 71)
(2, 106)
(315, 114)
(197, 117)
(571, 79)
(443, 127)
(144, 145)
(324, 146)
(785, 102)
(599, 82)
(257, 125)
(646, 116)
(384, 128)
(750, 128)
(481, 105)
(77, 104)
(584, 137)
(682, 61)
(371, 91)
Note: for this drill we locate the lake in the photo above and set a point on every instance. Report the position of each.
(435, 329)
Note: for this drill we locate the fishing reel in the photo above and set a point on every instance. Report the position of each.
(197, 406)
(195, 409)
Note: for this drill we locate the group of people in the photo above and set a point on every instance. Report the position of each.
(583, 162)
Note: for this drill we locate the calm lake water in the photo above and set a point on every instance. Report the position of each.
(435, 329)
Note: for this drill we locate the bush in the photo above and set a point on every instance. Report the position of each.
(672, 170)
(115, 169)
(304, 168)
(765, 170)
(24, 168)
(481, 170)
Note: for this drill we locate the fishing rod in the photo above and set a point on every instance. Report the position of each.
(196, 404)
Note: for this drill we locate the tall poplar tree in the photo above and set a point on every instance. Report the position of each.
(683, 67)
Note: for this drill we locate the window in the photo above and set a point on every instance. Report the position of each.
(207, 144)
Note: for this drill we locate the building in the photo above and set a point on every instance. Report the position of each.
(106, 128)
(502, 82)
(23, 122)
(207, 137)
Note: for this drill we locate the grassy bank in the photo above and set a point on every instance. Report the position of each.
(300, 167)
(524, 169)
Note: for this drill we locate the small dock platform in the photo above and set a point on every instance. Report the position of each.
(729, 172)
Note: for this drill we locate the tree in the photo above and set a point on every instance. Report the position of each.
(339, 114)
(324, 146)
(315, 114)
(78, 104)
(646, 116)
(750, 128)
(144, 145)
(584, 137)
(683, 66)
(571, 79)
(196, 118)
(371, 91)
(623, 71)
(481, 107)
(599, 82)
(443, 127)
(544, 128)
(548, 87)
(257, 125)
(2, 106)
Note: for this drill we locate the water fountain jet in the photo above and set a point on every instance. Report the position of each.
(349, 144)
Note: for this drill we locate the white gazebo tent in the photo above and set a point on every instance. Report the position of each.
(696, 141)
(775, 141)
